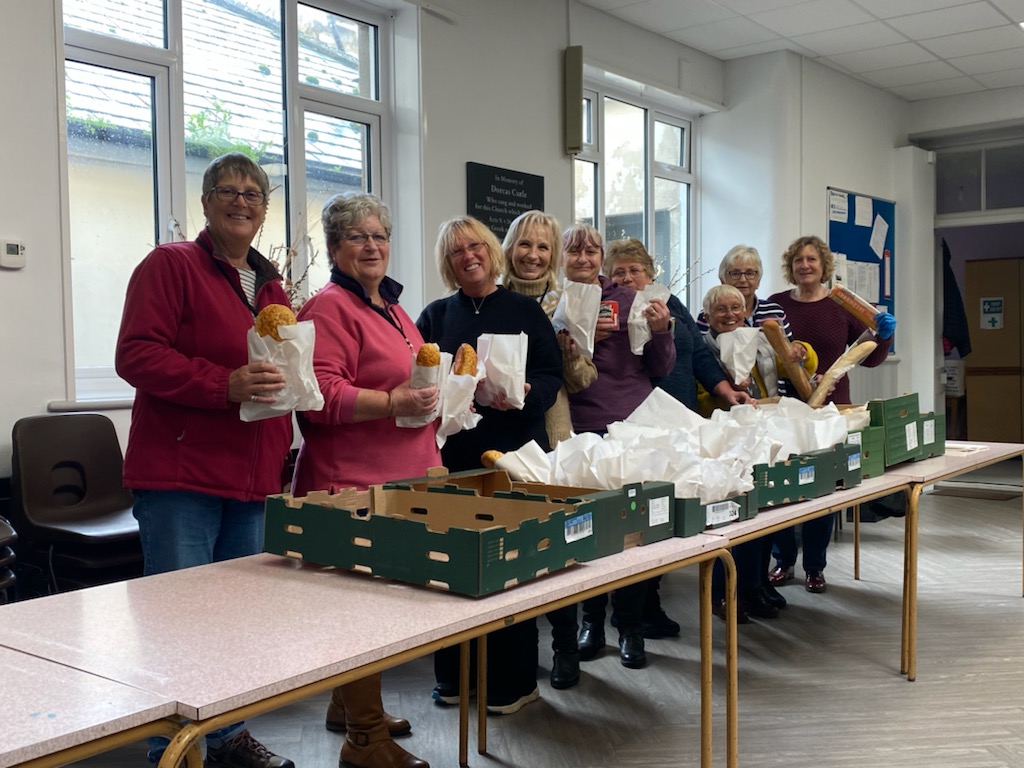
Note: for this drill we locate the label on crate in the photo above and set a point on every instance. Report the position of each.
(722, 512)
(659, 511)
(805, 475)
(911, 433)
(854, 438)
(929, 432)
(579, 527)
(853, 461)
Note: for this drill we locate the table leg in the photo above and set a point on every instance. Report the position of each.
(481, 694)
(705, 659)
(908, 653)
(464, 703)
(856, 542)
(731, 695)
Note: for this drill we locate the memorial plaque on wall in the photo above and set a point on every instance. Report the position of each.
(497, 195)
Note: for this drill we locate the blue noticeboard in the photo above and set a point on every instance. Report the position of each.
(861, 234)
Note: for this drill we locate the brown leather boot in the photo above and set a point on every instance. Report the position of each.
(368, 744)
(397, 726)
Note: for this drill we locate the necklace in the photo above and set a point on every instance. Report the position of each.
(478, 307)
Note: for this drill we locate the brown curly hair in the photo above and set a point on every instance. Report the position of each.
(828, 262)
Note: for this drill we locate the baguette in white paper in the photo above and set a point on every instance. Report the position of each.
(577, 313)
(421, 377)
(456, 403)
(637, 326)
(503, 356)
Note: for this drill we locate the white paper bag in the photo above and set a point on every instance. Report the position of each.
(456, 402)
(503, 356)
(577, 313)
(422, 377)
(738, 350)
(636, 324)
(293, 356)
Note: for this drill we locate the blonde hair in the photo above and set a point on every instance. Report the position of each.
(518, 229)
(475, 231)
(628, 249)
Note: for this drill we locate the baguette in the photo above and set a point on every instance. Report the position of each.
(272, 316)
(490, 458)
(851, 357)
(465, 360)
(794, 371)
(855, 305)
(428, 356)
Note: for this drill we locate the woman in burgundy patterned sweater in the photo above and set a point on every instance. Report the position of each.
(808, 265)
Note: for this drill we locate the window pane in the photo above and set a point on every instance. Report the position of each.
(958, 181)
(233, 96)
(337, 53)
(668, 144)
(111, 185)
(625, 170)
(585, 190)
(671, 250)
(138, 21)
(337, 160)
(588, 121)
(1004, 169)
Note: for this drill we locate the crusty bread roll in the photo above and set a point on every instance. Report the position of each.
(465, 360)
(490, 458)
(429, 356)
(272, 316)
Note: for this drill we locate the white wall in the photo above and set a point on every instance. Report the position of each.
(967, 112)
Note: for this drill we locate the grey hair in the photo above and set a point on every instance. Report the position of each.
(235, 164)
(718, 292)
(350, 209)
(739, 253)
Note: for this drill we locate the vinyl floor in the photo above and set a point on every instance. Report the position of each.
(819, 687)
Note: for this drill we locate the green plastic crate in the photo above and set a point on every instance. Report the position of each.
(932, 434)
(899, 417)
(692, 517)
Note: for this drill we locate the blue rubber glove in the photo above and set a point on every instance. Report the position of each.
(886, 325)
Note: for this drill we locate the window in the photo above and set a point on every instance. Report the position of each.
(154, 90)
(633, 179)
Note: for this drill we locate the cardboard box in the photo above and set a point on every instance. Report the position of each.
(955, 373)
(692, 517)
(807, 476)
(871, 441)
(448, 538)
(899, 417)
(637, 514)
(932, 435)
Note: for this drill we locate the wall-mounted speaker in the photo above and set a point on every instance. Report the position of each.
(573, 99)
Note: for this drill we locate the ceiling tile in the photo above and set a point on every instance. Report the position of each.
(937, 89)
(609, 5)
(747, 7)
(781, 44)
(962, 18)
(979, 41)
(996, 61)
(874, 34)
(723, 34)
(883, 58)
(667, 15)
(1005, 79)
(1012, 8)
(915, 73)
(887, 9)
(813, 16)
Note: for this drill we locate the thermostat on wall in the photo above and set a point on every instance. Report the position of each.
(12, 254)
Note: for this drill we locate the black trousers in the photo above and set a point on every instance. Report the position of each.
(627, 607)
(511, 663)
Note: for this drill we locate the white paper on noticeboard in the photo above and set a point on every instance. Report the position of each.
(878, 233)
(863, 211)
(841, 272)
(838, 206)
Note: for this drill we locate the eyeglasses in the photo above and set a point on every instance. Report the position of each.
(733, 309)
(380, 239)
(475, 248)
(746, 274)
(634, 271)
(230, 194)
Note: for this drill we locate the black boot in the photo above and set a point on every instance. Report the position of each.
(631, 650)
(591, 640)
(565, 670)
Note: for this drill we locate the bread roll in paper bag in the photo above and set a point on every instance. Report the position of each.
(422, 376)
(637, 326)
(293, 356)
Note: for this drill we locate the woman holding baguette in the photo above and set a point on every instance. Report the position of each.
(470, 260)
(533, 261)
(365, 343)
(808, 265)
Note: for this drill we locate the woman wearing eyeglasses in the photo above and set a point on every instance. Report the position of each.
(198, 473)
(470, 260)
(362, 360)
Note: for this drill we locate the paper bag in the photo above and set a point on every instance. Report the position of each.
(421, 377)
(503, 356)
(293, 356)
(577, 313)
(739, 352)
(456, 401)
(636, 324)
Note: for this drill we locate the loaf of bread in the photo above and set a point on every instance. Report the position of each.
(271, 317)
(490, 458)
(429, 356)
(465, 360)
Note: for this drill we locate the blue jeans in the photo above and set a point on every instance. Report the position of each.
(180, 529)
